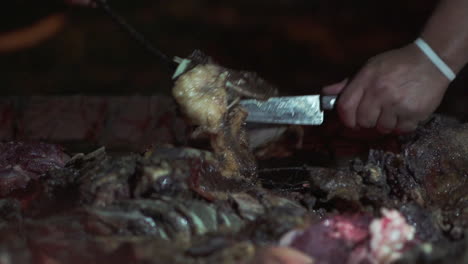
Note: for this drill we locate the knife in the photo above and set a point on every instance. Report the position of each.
(292, 110)
(298, 110)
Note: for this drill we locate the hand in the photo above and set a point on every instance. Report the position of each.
(393, 92)
(81, 2)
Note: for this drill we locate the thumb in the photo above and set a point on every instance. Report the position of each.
(335, 88)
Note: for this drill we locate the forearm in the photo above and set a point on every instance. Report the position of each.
(447, 32)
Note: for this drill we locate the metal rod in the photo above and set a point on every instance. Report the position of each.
(134, 34)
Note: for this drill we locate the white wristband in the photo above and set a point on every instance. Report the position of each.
(438, 62)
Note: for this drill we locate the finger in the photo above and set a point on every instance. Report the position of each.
(335, 88)
(368, 111)
(406, 126)
(350, 98)
(387, 121)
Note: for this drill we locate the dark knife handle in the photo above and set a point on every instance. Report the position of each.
(327, 102)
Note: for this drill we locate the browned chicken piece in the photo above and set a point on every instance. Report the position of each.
(208, 94)
(202, 96)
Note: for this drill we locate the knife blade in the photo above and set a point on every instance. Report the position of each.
(293, 110)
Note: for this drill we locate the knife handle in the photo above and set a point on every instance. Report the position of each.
(328, 102)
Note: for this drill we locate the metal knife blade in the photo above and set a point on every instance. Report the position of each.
(294, 110)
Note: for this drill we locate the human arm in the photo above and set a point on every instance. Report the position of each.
(396, 90)
(447, 32)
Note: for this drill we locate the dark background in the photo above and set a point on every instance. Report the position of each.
(299, 45)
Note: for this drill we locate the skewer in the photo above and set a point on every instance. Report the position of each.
(137, 36)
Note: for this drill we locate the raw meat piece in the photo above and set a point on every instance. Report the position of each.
(21, 162)
(354, 239)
